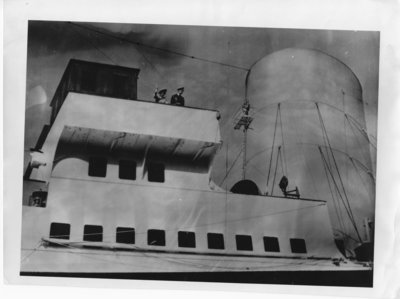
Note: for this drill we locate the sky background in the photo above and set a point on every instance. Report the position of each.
(207, 85)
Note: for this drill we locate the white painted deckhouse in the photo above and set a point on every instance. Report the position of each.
(119, 187)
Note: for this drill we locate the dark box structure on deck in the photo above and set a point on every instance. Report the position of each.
(97, 79)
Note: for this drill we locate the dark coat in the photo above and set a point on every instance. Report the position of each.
(178, 100)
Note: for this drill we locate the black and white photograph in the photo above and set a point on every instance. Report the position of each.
(202, 146)
(200, 153)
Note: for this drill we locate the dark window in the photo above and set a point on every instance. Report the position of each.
(156, 237)
(127, 170)
(243, 242)
(125, 235)
(215, 241)
(156, 172)
(120, 85)
(186, 239)
(60, 230)
(298, 245)
(97, 167)
(271, 244)
(38, 199)
(88, 81)
(93, 233)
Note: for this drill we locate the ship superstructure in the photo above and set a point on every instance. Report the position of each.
(120, 186)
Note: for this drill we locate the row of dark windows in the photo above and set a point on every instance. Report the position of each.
(186, 239)
(127, 169)
(117, 86)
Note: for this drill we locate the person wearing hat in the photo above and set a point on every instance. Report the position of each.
(160, 96)
(178, 99)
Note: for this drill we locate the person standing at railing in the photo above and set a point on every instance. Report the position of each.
(160, 96)
(177, 99)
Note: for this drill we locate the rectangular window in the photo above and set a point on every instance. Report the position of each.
(97, 166)
(298, 245)
(60, 230)
(38, 199)
(156, 172)
(244, 242)
(120, 85)
(186, 239)
(156, 237)
(215, 241)
(127, 170)
(88, 81)
(271, 244)
(93, 233)
(125, 235)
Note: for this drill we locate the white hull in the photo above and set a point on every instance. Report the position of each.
(84, 260)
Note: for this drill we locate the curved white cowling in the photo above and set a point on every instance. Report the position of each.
(299, 80)
(294, 75)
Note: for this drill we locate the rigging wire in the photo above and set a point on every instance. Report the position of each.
(353, 120)
(283, 141)
(115, 37)
(361, 130)
(226, 189)
(88, 40)
(345, 234)
(233, 164)
(334, 160)
(361, 178)
(364, 168)
(344, 219)
(283, 172)
(139, 44)
(365, 155)
(273, 145)
(351, 217)
(336, 186)
(324, 140)
(336, 206)
(345, 133)
(33, 250)
(257, 169)
(295, 129)
(350, 212)
(276, 167)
